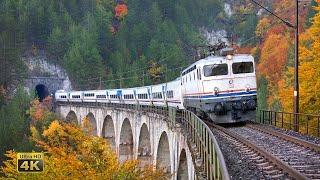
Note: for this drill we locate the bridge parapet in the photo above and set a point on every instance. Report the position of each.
(190, 139)
(209, 159)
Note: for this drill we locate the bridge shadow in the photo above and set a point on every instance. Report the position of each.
(144, 148)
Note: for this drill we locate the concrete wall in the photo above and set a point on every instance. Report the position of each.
(143, 136)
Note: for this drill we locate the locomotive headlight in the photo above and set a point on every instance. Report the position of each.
(247, 88)
(229, 56)
(216, 91)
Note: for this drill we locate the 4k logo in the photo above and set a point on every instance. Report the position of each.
(30, 162)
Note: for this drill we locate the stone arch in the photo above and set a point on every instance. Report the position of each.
(126, 141)
(183, 166)
(108, 131)
(144, 148)
(41, 91)
(163, 153)
(92, 122)
(72, 117)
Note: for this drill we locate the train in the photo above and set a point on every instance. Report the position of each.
(222, 88)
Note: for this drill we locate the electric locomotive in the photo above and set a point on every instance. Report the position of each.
(221, 87)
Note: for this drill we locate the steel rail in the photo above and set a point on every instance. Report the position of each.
(275, 160)
(286, 137)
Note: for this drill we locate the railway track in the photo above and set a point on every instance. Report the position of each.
(277, 155)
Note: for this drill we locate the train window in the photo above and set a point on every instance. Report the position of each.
(89, 95)
(198, 74)
(242, 67)
(101, 96)
(142, 96)
(157, 95)
(169, 94)
(128, 96)
(215, 70)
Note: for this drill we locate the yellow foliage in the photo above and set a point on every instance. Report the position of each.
(72, 154)
(35, 133)
(2, 92)
(262, 26)
(87, 126)
(155, 71)
(309, 71)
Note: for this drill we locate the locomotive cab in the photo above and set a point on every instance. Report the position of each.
(223, 88)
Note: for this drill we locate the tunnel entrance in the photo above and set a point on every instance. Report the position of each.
(41, 92)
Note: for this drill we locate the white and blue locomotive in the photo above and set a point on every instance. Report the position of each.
(221, 87)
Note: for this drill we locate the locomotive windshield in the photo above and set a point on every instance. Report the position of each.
(242, 67)
(215, 70)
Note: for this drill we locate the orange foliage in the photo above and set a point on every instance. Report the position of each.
(40, 111)
(276, 38)
(244, 50)
(273, 58)
(309, 71)
(72, 154)
(121, 10)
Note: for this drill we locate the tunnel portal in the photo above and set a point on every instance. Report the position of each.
(41, 92)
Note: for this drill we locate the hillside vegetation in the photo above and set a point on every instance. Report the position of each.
(105, 39)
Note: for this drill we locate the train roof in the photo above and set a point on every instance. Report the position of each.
(235, 58)
(61, 91)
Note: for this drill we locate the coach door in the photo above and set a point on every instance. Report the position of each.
(149, 95)
(164, 93)
(231, 80)
(119, 95)
(199, 80)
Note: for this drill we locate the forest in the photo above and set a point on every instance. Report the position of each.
(112, 37)
(125, 43)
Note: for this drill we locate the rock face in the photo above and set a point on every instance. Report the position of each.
(214, 36)
(44, 77)
(227, 9)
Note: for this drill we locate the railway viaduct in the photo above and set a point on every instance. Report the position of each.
(133, 134)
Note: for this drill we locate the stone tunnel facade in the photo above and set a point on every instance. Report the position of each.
(51, 83)
(136, 135)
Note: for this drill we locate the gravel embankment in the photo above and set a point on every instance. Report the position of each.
(239, 166)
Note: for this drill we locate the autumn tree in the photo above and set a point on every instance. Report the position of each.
(309, 68)
(155, 72)
(273, 61)
(71, 152)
